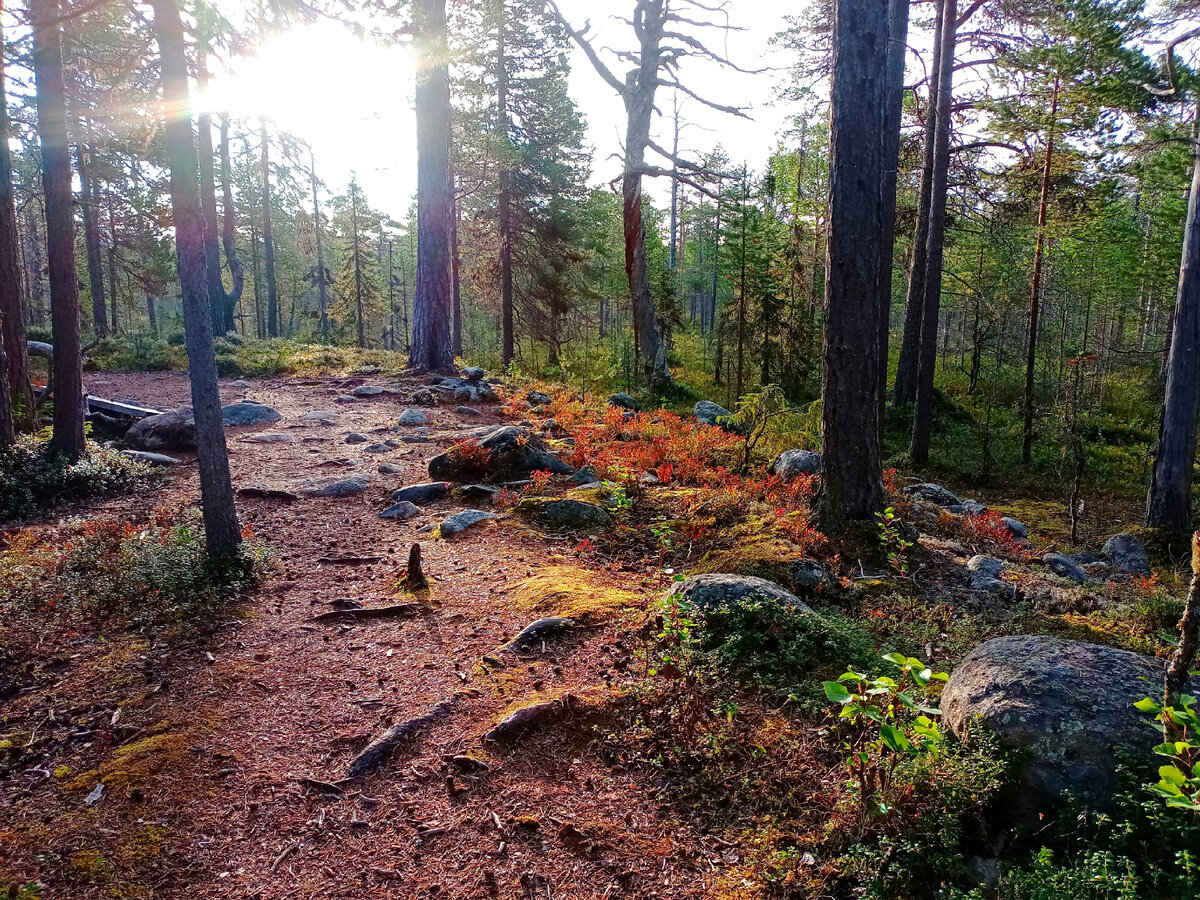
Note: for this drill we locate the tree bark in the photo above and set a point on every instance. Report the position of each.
(852, 472)
(935, 252)
(229, 236)
(221, 531)
(504, 201)
(91, 239)
(1183, 660)
(455, 276)
(1035, 298)
(67, 367)
(14, 374)
(905, 390)
(208, 207)
(897, 54)
(431, 345)
(112, 263)
(322, 282)
(268, 236)
(1169, 504)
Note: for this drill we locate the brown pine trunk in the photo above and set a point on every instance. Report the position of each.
(112, 263)
(905, 390)
(1035, 293)
(322, 279)
(359, 312)
(927, 358)
(68, 437)
(229, 237)
(455, 277)
(208, 207)
(1169, 504)
(504, 201)
(91, 238)
(221, 531)
(431, 345)
(268, 236)
(1183, 660)
(852, 472)
(15, 385)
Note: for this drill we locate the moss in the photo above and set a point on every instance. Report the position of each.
(62, 771)
(90, 865)
(764, 556)
(573, 593)
(160, 751)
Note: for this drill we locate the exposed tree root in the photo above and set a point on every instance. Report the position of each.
(381, 749)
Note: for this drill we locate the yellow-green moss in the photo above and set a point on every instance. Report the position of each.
(90, 865)
(160, 751)
(573, 593)
(766, 555)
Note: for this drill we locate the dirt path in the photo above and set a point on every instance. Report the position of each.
(202, 797)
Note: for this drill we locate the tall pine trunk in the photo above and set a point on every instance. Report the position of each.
(1169, 504)
(14, 374)
(431, 345)
(455, 275)
(852, 471)
(268, 236)
(91, 238)
(322, 278)
(229, 236)
(905, 391)
(930, 308)
(1035, 293)
(221, 531)
(68, 436)
(504, 201)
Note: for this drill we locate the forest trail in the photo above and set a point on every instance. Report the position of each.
(204, 777)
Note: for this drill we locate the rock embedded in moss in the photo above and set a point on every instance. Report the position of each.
(506, 453)
(565, 513)
(717, 589)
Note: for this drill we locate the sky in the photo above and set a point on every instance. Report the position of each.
(352, 99)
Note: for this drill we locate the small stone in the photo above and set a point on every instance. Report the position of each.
(151, 459)
(713, 591)
(413, 417)
(459, 522)
(1127, 554)
(1065, 567)
(400, 511)
(473, 373)
(323, 416)
(710, 413)
(537, 398)
(355, 438)
(377, 448)
(345, 398)
(419, 494)
(1015, 528)
(241, 383)
(468, 411)
(933, 493)
(345, 487)
(973, 508)
(986, 565)
(424, 397)
(367, 390)
(566, 513)
(586, 475)
(238, 414)
(534, 633)
(390, 469)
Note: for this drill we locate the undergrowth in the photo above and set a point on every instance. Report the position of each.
(33, 477)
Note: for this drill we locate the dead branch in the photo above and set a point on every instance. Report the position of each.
(398, 610)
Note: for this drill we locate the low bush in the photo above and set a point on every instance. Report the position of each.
(33, 477)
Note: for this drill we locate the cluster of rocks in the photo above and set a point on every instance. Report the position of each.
(471, 387)
(175, 430)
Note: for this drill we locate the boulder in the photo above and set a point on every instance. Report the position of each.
(808, 575)
(1127, 554)
(624, 401)
(421, 493)
(710, 413)
(174, 430)
(459, 522)
(972, 508)
(150, 459)
(507, 453)
(247, 413)
(473, 373)
(985, 576)
(343, 487)
(537, 398)
(1065, 567)
(791, 463)
(586, 475)
(401, 511)
(566, 513)
(1064, 704)
(715, 590)
(986, 565)
(413, 417)
(933, 493)
(1016, 528)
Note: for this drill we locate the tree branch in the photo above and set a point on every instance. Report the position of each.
(579, 37)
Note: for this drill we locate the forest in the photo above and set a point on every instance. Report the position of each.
(678, 449)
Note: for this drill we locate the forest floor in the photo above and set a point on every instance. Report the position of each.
(223, 750)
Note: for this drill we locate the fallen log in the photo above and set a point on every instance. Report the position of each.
(128, 410)
(268, 494)
(381, 749)
(371, 612)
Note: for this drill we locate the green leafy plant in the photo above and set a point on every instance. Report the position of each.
(889, 720)
(754, 417)
(33, 477)
(1179, 780)
(893, 542)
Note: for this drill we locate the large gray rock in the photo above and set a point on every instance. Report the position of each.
(537, 398)
(791, 463)
(475, 392)
(421, 493)
(1064, 704)
(986, 565)
(624, 401)
(1127, 554)
(1015, 527)
(246, 413)
(507, 453)
(367, 390)
(413, 417)
(1065, 567)
(460, 522)
(169, 431)
(716, 590)
(933, 493)
(344, 487)
(565, 513)
(710, 413)
(401, 511)
(473, 373)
